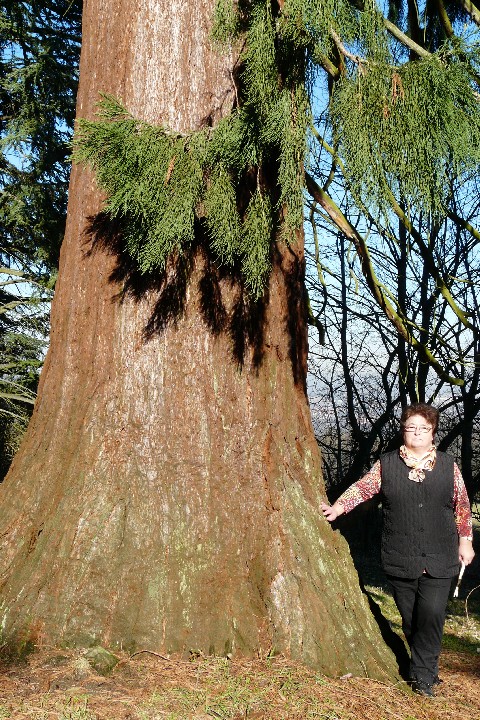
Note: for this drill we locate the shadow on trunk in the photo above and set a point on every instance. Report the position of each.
(225, 306)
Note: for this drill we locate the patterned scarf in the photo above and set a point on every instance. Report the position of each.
(418, 465)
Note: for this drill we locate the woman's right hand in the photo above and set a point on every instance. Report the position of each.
(331, 512)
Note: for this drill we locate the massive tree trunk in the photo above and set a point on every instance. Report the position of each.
(167, 492)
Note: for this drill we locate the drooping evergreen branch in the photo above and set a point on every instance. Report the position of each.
(407, 143)
(159, 183)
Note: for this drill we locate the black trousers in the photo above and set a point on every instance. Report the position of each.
(422, 603)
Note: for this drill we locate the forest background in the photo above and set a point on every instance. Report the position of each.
(393, 296)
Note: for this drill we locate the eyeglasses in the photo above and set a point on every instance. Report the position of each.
(422, 429)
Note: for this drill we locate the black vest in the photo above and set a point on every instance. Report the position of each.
(419, 530)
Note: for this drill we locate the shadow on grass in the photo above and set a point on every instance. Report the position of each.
(456, 643)
(362, 534)
(390, 637)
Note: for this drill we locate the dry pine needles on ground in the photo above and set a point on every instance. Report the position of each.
(60, 685)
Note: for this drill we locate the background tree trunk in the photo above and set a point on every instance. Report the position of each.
(166, 494)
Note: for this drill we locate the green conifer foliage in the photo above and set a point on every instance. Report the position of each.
(39, 54)
(158, 183)
(413, 128)
(403, 126)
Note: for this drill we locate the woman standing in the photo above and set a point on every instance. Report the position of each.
(427, 533)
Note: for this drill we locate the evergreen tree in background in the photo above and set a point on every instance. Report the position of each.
(39, 53)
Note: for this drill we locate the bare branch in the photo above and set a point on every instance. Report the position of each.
(341, 47)
(401, 324)
(430, 262)
(472, 10)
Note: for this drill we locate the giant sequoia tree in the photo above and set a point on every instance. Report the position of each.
(166, 494)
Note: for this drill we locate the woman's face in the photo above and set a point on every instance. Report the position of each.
(418, 434)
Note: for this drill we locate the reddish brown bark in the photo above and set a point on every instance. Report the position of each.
(166, 494)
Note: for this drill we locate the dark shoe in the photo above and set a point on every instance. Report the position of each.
(422, 688)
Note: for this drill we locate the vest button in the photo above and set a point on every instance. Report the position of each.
(420, 504)
(424, 554)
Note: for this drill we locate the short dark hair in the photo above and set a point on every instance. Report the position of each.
(428, 412)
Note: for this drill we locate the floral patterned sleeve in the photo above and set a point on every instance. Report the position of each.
(364, 489)
(461, 504)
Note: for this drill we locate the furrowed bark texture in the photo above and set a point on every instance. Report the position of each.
(166, 494)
